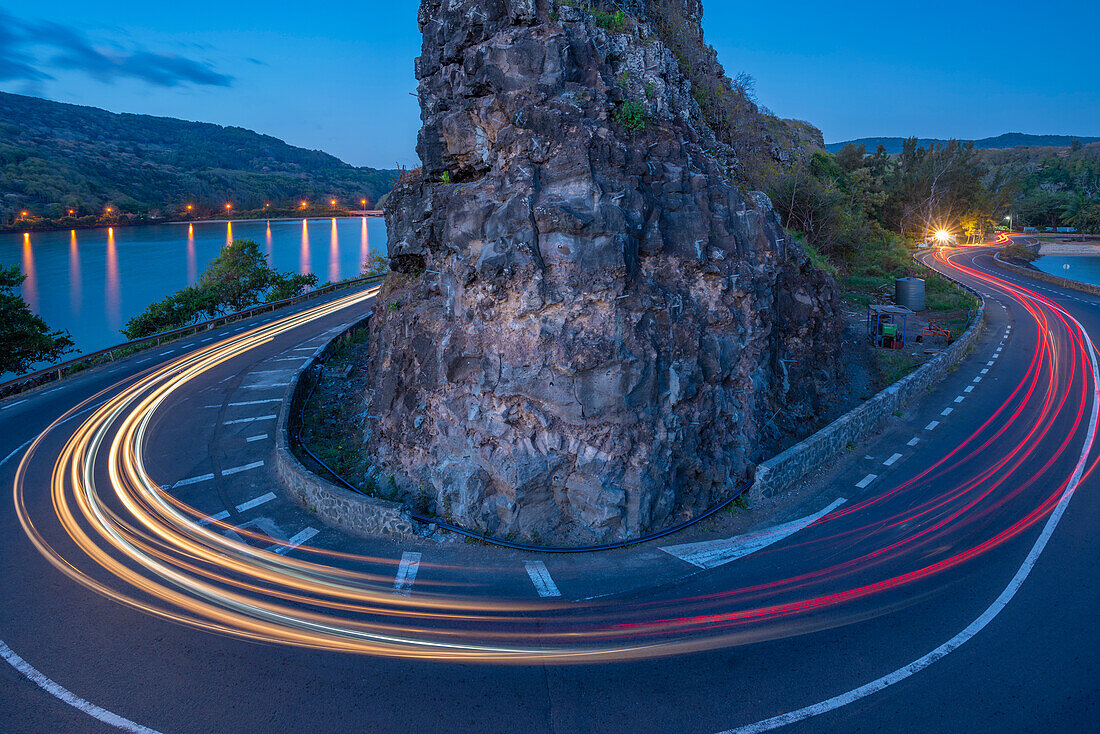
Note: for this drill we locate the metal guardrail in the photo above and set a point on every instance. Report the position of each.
(57, 371)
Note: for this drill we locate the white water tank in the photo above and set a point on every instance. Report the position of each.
(909, 292)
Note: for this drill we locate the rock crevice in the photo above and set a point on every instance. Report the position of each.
(589, 331)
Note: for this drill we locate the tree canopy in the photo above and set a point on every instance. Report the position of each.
(239, 277)
(25, 338)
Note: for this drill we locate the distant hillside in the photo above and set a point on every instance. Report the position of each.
(56, 156)
(1008, 140)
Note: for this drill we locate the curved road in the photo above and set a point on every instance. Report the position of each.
(156, 576)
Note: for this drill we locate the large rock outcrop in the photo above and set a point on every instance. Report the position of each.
(589, 331)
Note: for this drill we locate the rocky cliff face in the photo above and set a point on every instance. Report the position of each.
(589, 332)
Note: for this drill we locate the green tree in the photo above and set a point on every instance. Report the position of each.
(288, 285)
(182, 308)
(238, 277)
(25, 338)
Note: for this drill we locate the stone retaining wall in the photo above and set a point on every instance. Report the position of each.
(1046, 277)
(335, 505)
(782, 471)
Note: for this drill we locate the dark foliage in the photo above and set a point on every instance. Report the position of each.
(24, 336)
(55, 157)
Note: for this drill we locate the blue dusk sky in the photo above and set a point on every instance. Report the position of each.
(338, 76)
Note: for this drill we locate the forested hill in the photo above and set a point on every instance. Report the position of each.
(55, 157)
(1008, 140)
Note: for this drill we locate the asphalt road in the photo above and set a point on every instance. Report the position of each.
(940, 579)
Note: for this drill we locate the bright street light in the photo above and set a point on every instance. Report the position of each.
(943, 236)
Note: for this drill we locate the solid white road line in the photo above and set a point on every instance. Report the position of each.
(264, 385)
(406, 573)
(259, 437)
(987, 616)
(892, 460)
(250, 420)
(239, 469)
(295, 541)
(255, 402)
(245, 506)
(541, 578)
(193, 480)
(932, 426)
(60, 692)
(862, 483)
(714, 553)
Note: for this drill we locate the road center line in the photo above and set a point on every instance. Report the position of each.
(862, 483)
(406, 573)
(295, 541)
(250, 420)
(932, 426)
(239, 469)
(892, 460)
(541, 578)
(947, 411)
(913, 441)
(193, 480)
(262, 499)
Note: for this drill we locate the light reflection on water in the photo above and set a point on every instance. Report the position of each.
(93, 281)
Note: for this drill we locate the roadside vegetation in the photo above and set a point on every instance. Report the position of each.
(239, 277)
(25, 338)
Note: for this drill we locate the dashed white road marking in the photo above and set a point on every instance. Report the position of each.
(203, 341)
(932, 426)
(250, 420)
(862, 483)
(984, 618)
(892, 460)
(64, 694)
(541, 578)
(239, 469)
(295, 541)
(193, 480)
(968, 388)
(989, 364)
(985, 371)
(265, 385)
(259, 437)
(714, 553)
(17, 402)
(143, 361)
(289, 359)
(960, 398)
(947, 411)
(219, 516)
(406, 573)
(913, 441)
(247, 402)
(978, 379)
(262, 499)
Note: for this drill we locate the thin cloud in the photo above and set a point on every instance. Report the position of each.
(64, 47)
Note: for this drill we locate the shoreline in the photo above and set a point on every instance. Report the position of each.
(105, 225)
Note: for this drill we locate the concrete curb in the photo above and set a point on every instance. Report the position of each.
(336, 506)
(1046, 277)
(780, 472)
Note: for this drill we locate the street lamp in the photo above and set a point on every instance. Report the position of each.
(1009, 220)
(332, 203)
(943, 237)
(228, 207)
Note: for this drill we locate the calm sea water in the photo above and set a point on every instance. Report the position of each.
(92, 281)
(1084, 268)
